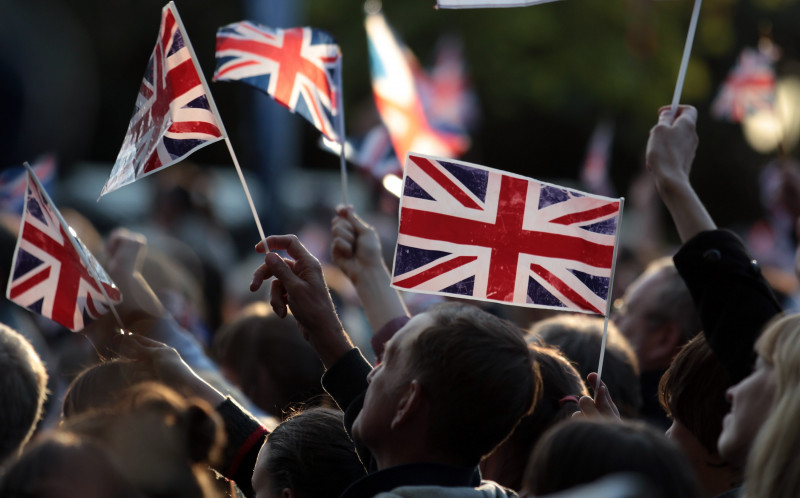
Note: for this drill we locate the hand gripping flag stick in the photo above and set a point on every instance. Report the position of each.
(687, 51)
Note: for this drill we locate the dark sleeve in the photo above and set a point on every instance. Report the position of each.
(386, 332)
(732, 296)
(346, 382)
(245, 437)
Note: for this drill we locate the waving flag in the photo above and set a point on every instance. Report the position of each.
(13, 183)
(477, 4)
(49, 271)
(749, 88)
(297, 67)
(173, 116)
(474, 232)
(398, 100)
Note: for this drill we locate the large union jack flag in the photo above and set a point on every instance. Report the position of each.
(297, 67)
(173, 116)
(749, 88)
(475, 232)
(49, 269)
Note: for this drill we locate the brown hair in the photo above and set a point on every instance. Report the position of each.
(479, 377)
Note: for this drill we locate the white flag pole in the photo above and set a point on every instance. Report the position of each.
(687, 51)
(340, 120)
(215, 111)
(609, 301)
(71, 236)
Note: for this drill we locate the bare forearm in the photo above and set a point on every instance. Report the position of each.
(687, 210)
(381, 302)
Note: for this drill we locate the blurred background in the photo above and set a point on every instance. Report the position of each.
(540, 83)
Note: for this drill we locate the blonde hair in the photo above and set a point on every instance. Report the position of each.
(773, 468)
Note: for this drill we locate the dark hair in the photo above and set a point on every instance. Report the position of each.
(675, 303)
(273, 365)
(561, 388)
(64, 465)
(479, 377)
(579, 337)
(23, 382)
(692, 390)
(584, 450)
(311, 453)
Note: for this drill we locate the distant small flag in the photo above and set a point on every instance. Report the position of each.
(49, 271)
(373, 152)
(14, 181)
(474, 232)
(749, 88)
(297, 67)
(173, 115)
(594, 174)
(398, 100)
(478, 4)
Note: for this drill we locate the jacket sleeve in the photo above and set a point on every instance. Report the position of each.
(732, 296)
(245, 436)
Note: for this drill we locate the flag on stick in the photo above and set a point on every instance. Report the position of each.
(749, 88)
(13, 182)
(53, 273)
(469, 231)
(297, 67)
(479, 4)
(594, 174)
(173, 116)
(398, 99)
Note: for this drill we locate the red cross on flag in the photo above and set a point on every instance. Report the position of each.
(469, 231)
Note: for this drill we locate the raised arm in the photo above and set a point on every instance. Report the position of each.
(356, 249)
(670, 153)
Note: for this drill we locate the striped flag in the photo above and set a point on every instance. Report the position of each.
(173, 116)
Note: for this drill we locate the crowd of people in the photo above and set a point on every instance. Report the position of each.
(698, 396)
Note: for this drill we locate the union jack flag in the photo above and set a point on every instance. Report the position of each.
(49, 270)
(474, 232)
(749, 88)
(13, 182)
(396, 95)
(298, 67)
(173, 115)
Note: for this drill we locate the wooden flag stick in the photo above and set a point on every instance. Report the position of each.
(609, 301)
(215, 111)
(687, 51)
(340, 120)
(71, 235)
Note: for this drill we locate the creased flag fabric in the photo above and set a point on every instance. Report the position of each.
(478, 4)
(469, 231)
(13, 182)
(749, 88)
(49, 275)
(398, 100)
(297, 67)
(173, 115)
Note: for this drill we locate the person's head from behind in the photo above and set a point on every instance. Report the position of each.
(453, 383)
(562, 387)
(761, 427)
(268, 359)
(23, 384)
(580, 338)
(309, 455)
(581, 451)
(657, 315)
(162, 442)
(64, 465)
(692, 392)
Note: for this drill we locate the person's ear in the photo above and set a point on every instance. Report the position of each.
(665, 344)
(408, 403)
(287, 493)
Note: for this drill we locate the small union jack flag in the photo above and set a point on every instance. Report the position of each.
(49, 269)
(173, 116)
(297, 67)
(474, 232)
(749, 88)
(13, 182)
